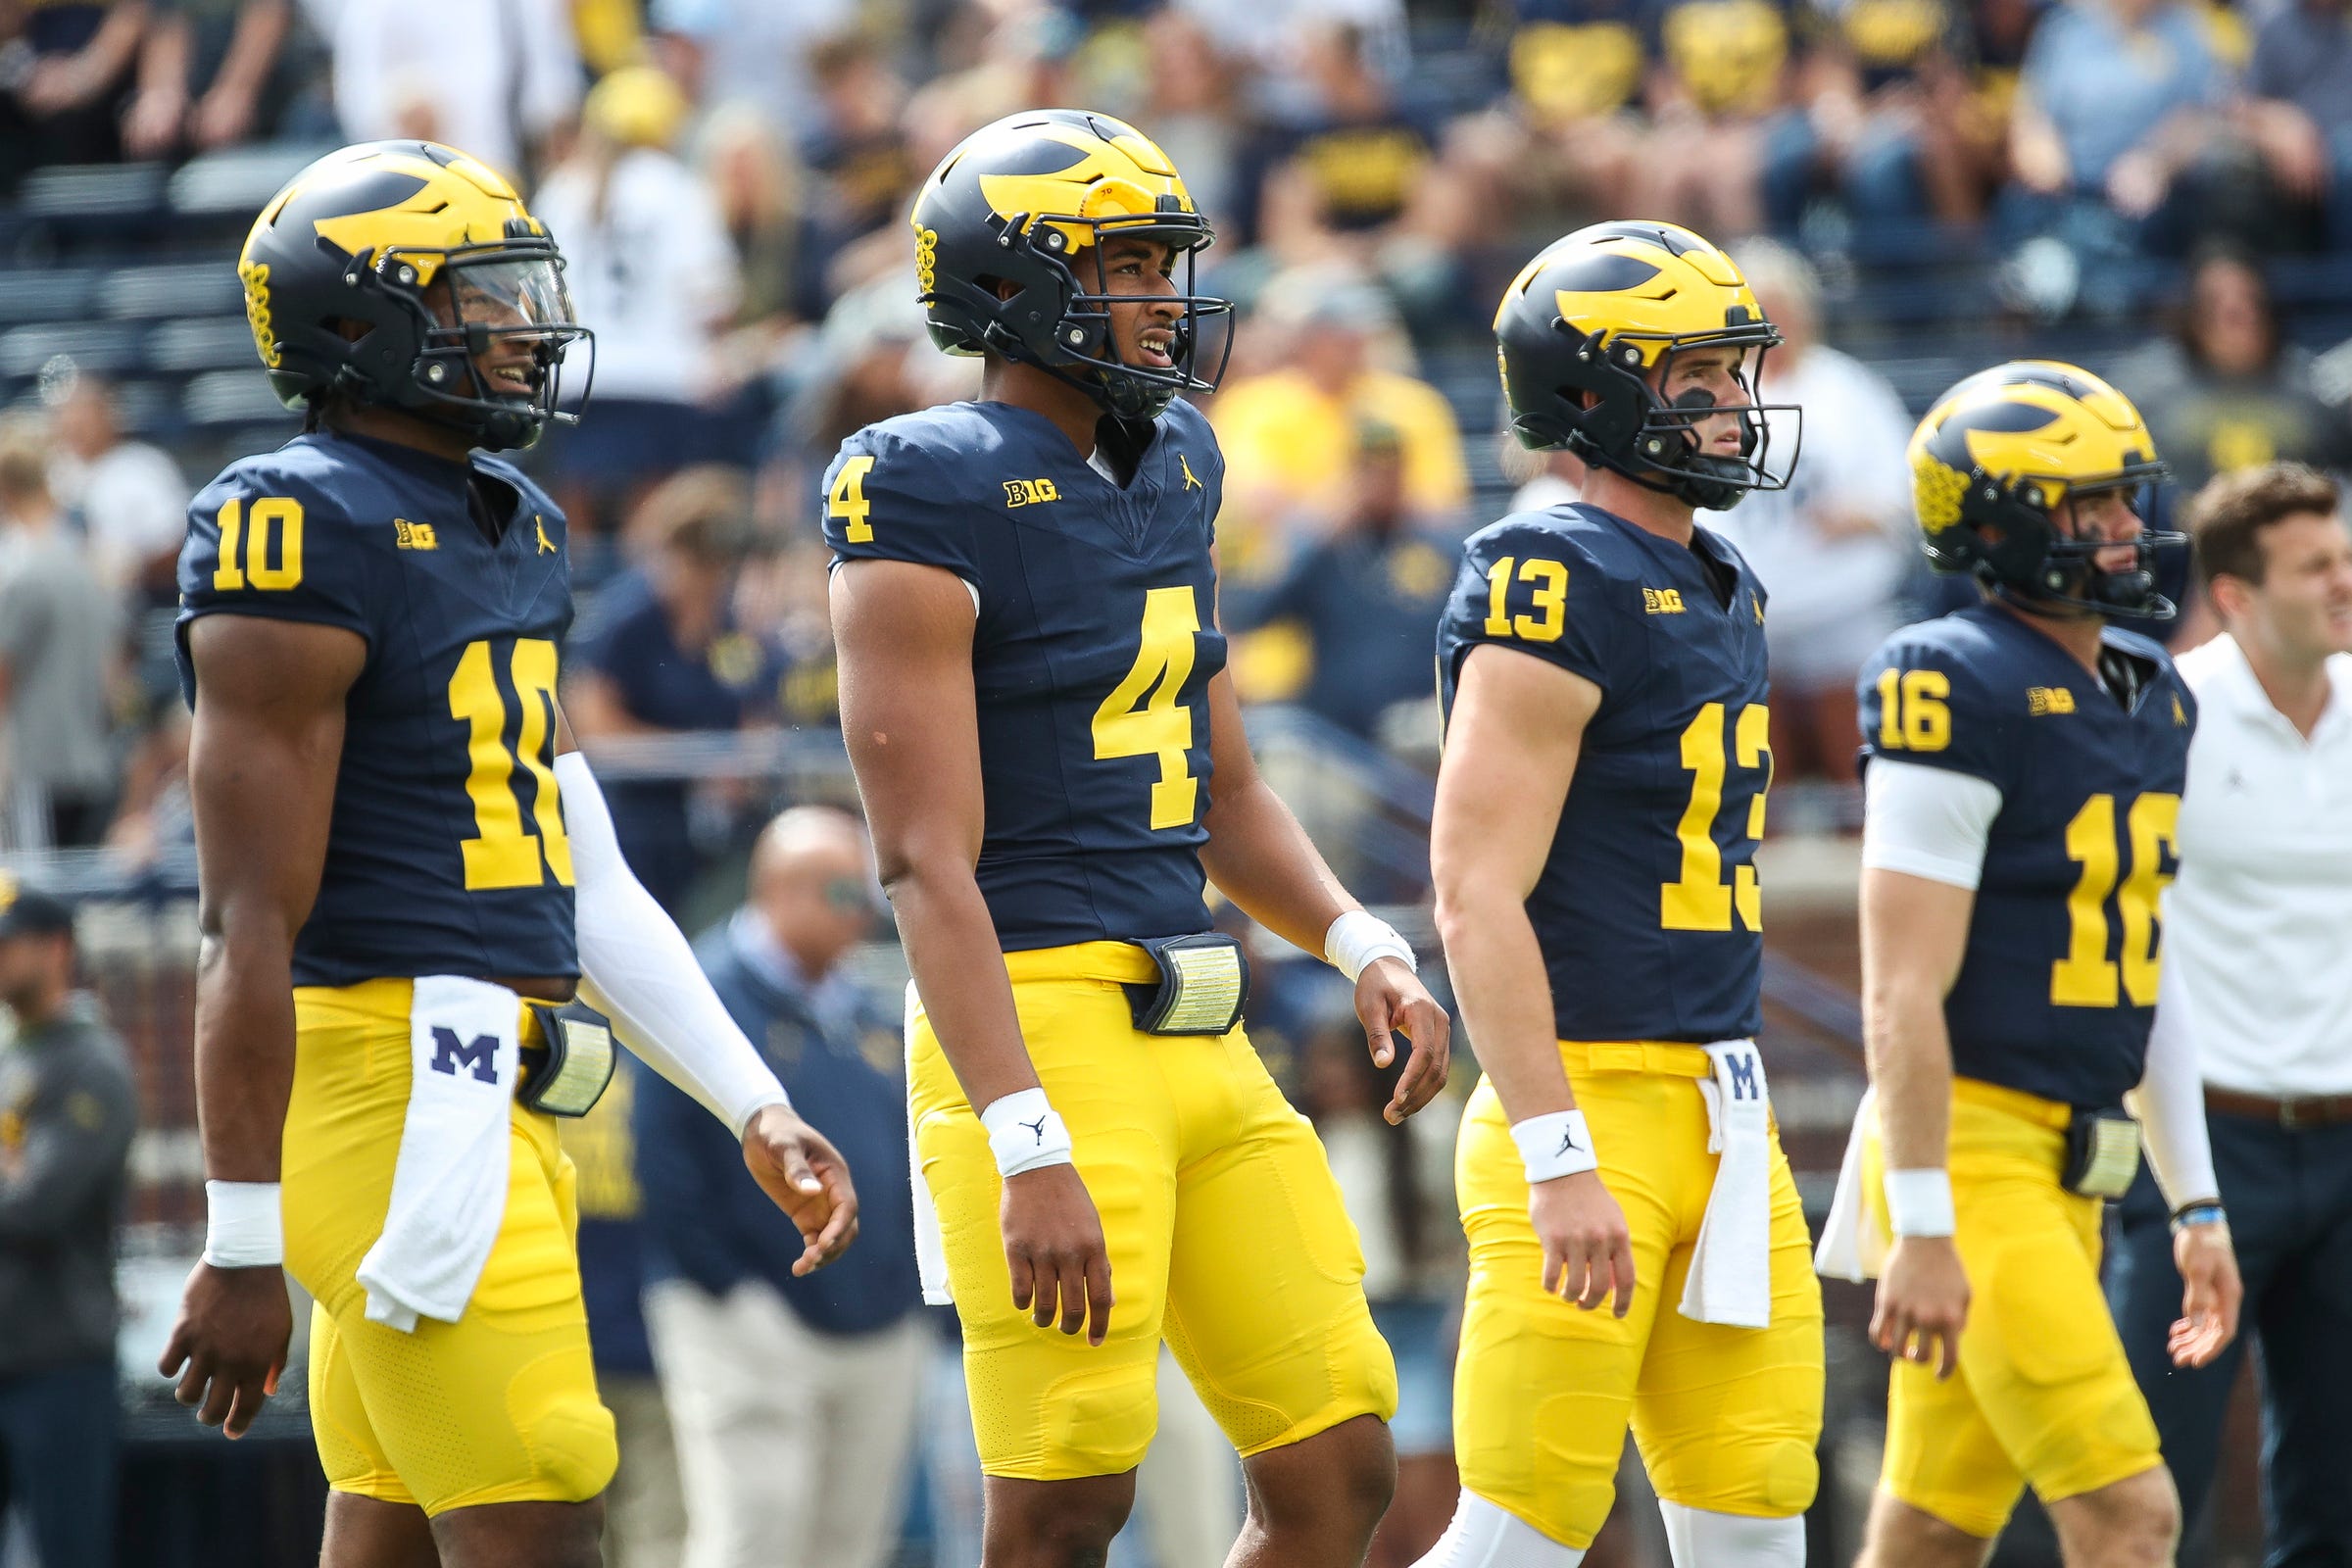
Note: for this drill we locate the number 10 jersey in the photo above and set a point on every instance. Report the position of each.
(446, 853)
(1092, 651)
(1648, 908)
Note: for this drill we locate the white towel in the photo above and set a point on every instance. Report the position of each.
(1730, 1267)
(1854, 1242)
(930, 1252)
(449, 1185)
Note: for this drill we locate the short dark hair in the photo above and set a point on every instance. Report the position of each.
(2227, 515)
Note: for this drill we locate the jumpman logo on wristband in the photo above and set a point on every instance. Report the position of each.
(1038, 1127)
(1567, 1142)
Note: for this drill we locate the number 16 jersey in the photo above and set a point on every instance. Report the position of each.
(1648, 908)
(446, 853)
(1094, 644)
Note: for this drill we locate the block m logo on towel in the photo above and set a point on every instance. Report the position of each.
(479, 1054)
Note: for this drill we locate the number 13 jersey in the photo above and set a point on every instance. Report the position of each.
(446, 853)
(1648, 908)
(1092, 651)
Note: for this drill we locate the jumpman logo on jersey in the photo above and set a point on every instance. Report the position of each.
(1190, 483)
(1039, 1128)
(547, 546)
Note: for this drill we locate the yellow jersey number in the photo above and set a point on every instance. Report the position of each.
(848, 500)
(2086, 977)
(1699, 900)
(1914, 713)
(1548, 578)
(250, 539)
(1140, 717)
(500, 855)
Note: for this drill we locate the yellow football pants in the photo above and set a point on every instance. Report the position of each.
(1727, 1418)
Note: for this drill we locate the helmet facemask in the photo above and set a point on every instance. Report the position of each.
(2019, 551)
(1661, 450)
(1072, 338)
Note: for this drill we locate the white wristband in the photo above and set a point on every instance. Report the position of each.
(1358, 937)
(1919, 1203)
(1553, 1145)
(1025, 1133)
(242, 1228)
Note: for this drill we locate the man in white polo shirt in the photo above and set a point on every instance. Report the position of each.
(2260, 927)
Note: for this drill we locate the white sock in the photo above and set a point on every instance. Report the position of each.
(1486, 1536)
(1702, 1539)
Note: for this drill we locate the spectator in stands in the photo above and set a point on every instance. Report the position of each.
(60, 101)
(1193, 103)
(1347, 178)
(1887, 102)
(1832, 549)
(644, 1508)
(67, 1111)
(127, 497)
(1367, 595)
(1569, 130)
(863, 172)
(794, 1399)
(752, 51)
(2115, 117)
(60, 631)
(1289, 434)
(1398, 1183)
(2299, 108)
(662, 655)
(756, 180)
(653, 271)
(496, 81)
(203, 70)
(2226, 390)
(1718, 104)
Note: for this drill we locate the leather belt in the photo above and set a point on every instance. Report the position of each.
(2293, 1113)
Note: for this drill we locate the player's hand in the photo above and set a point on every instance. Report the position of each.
(1392, 1001)
(232, 1336)
(2210, 1293)
(1587, 1252)
(1923, 1304)
(1053, 1245)
(807, 1178)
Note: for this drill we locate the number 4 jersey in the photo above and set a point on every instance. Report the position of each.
(2058, 983)
(446, 854)
(1092, 651)
(1646, 909)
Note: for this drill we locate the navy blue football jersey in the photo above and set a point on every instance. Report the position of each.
(2058, 984)
(1648, 908)
(1092, 654)
(446, 854)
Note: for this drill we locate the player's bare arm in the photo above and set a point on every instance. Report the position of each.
(1511, 749)
(261, 760)
(909, 712)
(794, 1163)
(1261, 857)
(1914, 936)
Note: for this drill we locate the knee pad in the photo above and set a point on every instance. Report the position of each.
(1483, 1534)
(1700, 1538)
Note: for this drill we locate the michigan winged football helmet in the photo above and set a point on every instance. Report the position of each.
(1593, 321)
(381, 271)
(1999, 455)
(1029, 201)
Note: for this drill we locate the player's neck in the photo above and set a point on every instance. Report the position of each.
(403, 429)
(1650, 511)
(1025, 386)
(2080, 635)
(2297, 686)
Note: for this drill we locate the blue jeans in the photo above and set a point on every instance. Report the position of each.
(60, 1431)
(2289, 1197)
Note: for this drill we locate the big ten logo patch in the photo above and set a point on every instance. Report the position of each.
(926, 258)
(1029, 491)
(2049, 699)
(1662, 601)
(256, 278)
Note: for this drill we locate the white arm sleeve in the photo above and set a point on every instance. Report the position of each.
(2170, 1101)
(1929, 823)
(636, 969)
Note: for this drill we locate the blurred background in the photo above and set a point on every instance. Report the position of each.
(2160, 190)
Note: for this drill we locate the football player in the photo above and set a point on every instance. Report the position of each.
(1600, 799)
(2023, 761)
(1034, 692)
(404, 867)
